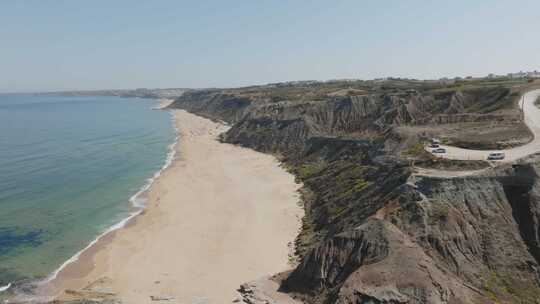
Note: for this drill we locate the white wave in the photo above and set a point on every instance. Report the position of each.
(4, 288)
(136, 202)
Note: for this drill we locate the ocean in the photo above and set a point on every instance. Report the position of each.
(70, 169)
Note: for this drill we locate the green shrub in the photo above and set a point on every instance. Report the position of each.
(308, 170)
(361, 184)
(415, 149)
(440, 211)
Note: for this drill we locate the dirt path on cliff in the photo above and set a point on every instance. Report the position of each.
(532, 120)
(419, 171)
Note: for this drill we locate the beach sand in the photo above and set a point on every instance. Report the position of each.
(163, 104)
(219, 216)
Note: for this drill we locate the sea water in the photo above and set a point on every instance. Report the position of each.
(68, 168)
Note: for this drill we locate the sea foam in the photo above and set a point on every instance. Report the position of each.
(136, 201)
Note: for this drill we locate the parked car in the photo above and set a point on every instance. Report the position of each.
(438, 150)
(495, 156)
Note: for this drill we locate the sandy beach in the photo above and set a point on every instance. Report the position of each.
(163, 103)
(219, 216)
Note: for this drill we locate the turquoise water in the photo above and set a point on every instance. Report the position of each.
(68, 166)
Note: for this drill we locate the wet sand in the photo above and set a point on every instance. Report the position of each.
(219, 216)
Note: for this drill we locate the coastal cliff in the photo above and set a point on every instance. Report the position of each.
(434, 240)
(374, 231)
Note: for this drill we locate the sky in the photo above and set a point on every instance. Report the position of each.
(48, 45)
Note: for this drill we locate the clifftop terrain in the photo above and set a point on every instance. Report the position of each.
(374, 230)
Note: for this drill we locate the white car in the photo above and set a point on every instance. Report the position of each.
(495, 156)
(438, 150)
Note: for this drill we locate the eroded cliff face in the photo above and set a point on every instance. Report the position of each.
(458, 240)
(214, 104)
(260, 121)
(375, 232)
(341, 115)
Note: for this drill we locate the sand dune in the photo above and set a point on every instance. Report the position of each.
(219, 216)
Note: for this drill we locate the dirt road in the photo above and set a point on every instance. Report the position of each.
(532, 120)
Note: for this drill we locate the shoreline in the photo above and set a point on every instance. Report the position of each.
(134, 200)
(74, 274)
(137, 202)
(163, 104)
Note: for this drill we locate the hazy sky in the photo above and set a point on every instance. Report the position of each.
(56, 45)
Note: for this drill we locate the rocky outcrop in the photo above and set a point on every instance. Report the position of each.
(263, 291)
(377, 264)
